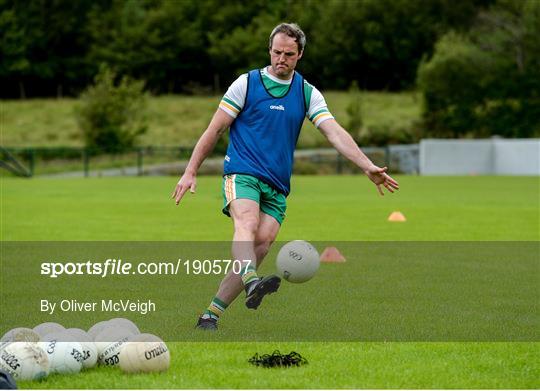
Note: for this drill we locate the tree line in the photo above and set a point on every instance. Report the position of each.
(487, 81)
(476, 62)
(55, 47)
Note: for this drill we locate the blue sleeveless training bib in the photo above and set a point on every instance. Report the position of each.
(263, 137)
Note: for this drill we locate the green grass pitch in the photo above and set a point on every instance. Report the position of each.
(345, 208)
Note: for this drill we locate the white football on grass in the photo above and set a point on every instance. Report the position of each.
(145, 353)
(109, 342)
(125, 323)
(48, 327)
(97, 328)
(65, 354)
(88, 346)
(19, 334)
(24, 361)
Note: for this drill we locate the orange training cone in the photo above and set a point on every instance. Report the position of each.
(396, 216)
(332, 255)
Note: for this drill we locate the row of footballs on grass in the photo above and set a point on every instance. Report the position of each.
(31, 354)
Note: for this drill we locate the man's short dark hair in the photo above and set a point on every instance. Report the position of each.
(293, 31)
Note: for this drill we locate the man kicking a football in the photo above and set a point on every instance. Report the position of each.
(264, 110)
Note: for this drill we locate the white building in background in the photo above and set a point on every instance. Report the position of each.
(495, 156)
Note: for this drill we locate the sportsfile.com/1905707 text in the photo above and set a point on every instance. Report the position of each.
(118, 267)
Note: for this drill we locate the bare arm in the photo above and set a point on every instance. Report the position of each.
(204, 147)
(344, 144)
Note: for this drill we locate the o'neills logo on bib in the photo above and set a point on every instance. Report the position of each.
(280, 107)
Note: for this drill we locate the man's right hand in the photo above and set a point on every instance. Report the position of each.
(204, 147)
(188, 181)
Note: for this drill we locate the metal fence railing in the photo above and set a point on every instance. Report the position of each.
(32, 161)
(164, 160)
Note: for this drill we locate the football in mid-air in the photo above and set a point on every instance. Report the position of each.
(297, 261)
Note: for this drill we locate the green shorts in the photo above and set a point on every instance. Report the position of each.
(270, 201)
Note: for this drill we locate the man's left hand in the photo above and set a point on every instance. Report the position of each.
(379, 177)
